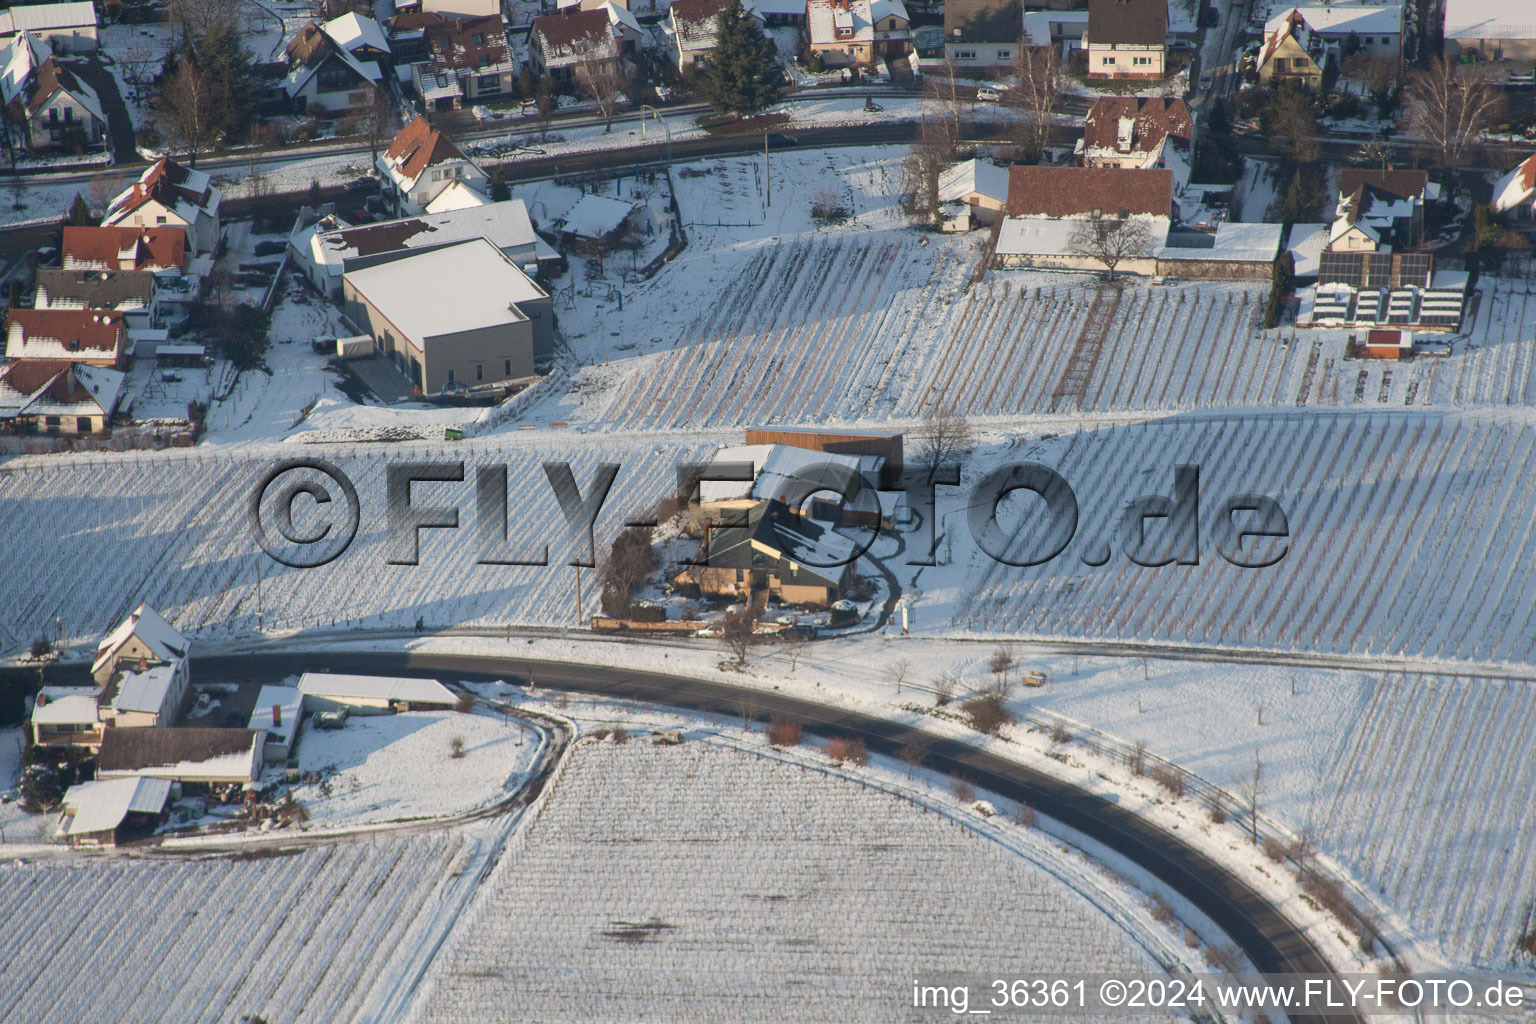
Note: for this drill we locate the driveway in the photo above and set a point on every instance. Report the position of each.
(379, 374)
(120, 131)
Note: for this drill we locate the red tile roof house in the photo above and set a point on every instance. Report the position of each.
(468, 62)
(1127, 38)
(419, 163)
(559, 42)
(59, 110)
(124, 248)
(1047, 204)
(1516, 192)
(56, 396)
(1131, 131)
(170, 195)
(93, 336)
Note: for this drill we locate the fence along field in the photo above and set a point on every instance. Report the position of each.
(301, 939)
(873, 326)
(173, 530)
(1411, 535)
(696, 883)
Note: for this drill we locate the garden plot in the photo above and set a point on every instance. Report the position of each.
(1410, 535)
(400, 767)
(304, 938)
(699, 883)
(174, 530)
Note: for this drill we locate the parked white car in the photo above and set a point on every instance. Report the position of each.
(988, 95)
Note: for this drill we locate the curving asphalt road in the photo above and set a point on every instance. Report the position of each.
(1270, 941)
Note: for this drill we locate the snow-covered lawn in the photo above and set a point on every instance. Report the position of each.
(699, 883)
(399, 767)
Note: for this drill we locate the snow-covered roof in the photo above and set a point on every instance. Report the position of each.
(18, 59)
(974, 176)
(185, 191)
(594, 216)
(1235, 243)
(1042, 27)
(1516, 188)
(457, 196)
(102, 805)
(462, 287)
(66, 705)
(618, 16)
(153, 632)
(48, 17)
(1052, 236)
(830, 22)
(145, 691)
(1489, 19)
(506, 224)
(1342, 19)
(326, 684)
(1306, 247)
(351, 31)
(290, 704)
(220, 755)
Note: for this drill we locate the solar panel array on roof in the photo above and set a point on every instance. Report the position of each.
(1376, 269)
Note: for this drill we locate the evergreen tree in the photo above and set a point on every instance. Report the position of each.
(1294, 207)
(742, 76)
(80, 213)
(220, 55)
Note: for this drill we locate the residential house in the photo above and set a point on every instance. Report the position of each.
(325, 251)
(983, 33)
(144, 695)
(973, 193)
(1132, 131)
(65, 716)
(365, 695)
(1050, 208)
(56, 396)
(804, 478)
(691, 26)
(461, 314)
(457, 196)
(278, 712)
(170, 195)
(1127, 38)
(1380, 210)
(1515, 194)
(144, 635)
(558, 43)
(1373, 29)
(767, 551)
(888, 447)
(96, 337)
(419, 163)
(63, 27)
(109, 812)
(195, 758)
(1490, 30)
(131, 292)
(1291, 52)
(361, 36)
(57, 108)
(780, 12)
(159, 250)
(858, 33)
(324, 78)
(1062, 29)
(468, 61)
(459, 8)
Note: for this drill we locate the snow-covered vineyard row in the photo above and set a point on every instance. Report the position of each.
(1429, 806)
(301, 938)
(1378, 505)
(867, 327)
(699, 883)
(175, 531)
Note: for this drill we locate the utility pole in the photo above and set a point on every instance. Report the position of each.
(578, 597)
(258, 595)
(767, 168)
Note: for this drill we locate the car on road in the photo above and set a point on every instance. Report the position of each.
(365, 185)
(987, 94)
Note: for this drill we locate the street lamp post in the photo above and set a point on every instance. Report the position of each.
(647, 111)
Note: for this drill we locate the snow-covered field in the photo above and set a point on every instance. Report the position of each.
(307, 937)
(698, 883)
(400, 767)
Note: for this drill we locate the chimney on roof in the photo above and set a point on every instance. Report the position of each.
(143, 664)
(277, 715)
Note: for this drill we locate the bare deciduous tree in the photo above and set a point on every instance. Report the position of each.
(601, 80)
(1250, 791)
(102, 190)
(1110, 240)
(945, 433)
(377, 121)
(184, 109)
(1036, 84)
(914, 754)
(899, 671)
(1451, 108)
(739, 632)
(932, 151)
(629, 561)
